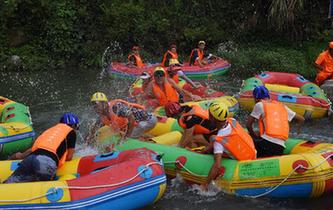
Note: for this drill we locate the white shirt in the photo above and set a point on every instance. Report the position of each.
(258, 112)
(218, 147)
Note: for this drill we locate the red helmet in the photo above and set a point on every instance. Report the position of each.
(172, 108)
(173, 46)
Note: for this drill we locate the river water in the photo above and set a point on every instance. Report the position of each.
(50, 93)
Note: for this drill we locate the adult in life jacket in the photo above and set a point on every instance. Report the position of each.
(198, 128)
(324, 65)
(49, 152)
(199, 57)
(134, 58)
(231, 139)
(175, 72)
(166, 90)
(273, 118)
(170, 54)
(139, 119)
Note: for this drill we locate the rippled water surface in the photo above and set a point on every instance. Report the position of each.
(50, 93)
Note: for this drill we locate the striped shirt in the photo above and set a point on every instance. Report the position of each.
(122, 110)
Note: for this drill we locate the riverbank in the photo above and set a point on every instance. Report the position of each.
(246, 59)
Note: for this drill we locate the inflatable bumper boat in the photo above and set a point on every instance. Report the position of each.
(120, 180)
(216, 68)
(300, 95)
(305, 169)
(16, 132)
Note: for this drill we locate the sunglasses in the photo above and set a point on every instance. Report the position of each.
(159, 74)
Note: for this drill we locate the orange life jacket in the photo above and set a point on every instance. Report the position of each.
(170, 94)
(200, 112)
(138, 60)
(239, 144)
(200, 55)
(173, 56)
(276, 120)
(51, 139)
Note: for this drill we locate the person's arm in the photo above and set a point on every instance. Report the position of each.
(20, 155)
(182, 91)
(71, 141)
(89, 138)
(201, 62)
(318, 67)
(130, 126)
(318, 63)
(188, 80)
(256, 114)
(214, 170)
(249, 126)
(209, 148)
(70, 154)
(167, 60)
(186, 138)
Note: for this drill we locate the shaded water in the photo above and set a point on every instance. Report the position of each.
(50, 93)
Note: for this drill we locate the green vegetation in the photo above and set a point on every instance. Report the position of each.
(276, 35)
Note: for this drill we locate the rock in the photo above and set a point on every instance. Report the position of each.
(15, 60)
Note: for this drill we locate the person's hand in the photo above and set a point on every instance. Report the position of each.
(16, 156)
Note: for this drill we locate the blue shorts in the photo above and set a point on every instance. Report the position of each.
(34, 168)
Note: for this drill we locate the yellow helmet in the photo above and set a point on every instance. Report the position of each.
(219, 111)
(159, 68)
(174, 61)
(201, 42)
(99, 96)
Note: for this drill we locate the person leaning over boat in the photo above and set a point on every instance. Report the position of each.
(324, 65)
(199, 57)
(174, 71)
(273, 118)
(231, 139)
(165, 90)
(170, 54)
(198, 127)
(49, 152)
(138, 118)
(134, 58)
(100, 105)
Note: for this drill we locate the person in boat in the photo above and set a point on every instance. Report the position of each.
(273, 118)
(135, 117)
(134, 58)
(324, 65)
(100, 104)
(128, 119)
(199, 57)
(175, 71)
(49, 152)
(165, 90)
(231, 140)
(198, 127)
(170, 54)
